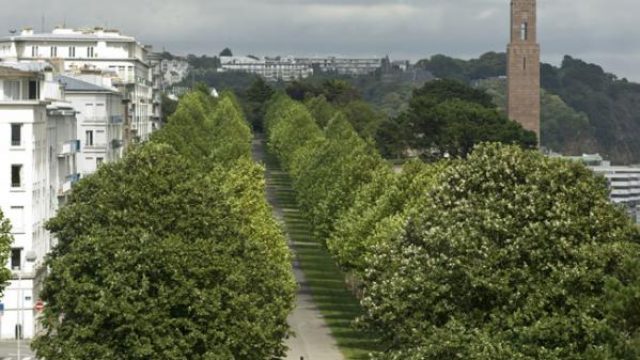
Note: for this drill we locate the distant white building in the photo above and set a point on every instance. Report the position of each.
(107, 50)
(100, 120)
(271, 69)
(343, 65)
(38, 146)
(168, 71)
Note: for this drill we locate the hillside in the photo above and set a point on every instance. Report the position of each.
(584, 108)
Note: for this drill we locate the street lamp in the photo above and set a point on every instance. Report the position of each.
(30, 257)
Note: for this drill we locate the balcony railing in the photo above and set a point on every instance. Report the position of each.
(68, 184)
(69, 148)
(116, 119)
(116, 143)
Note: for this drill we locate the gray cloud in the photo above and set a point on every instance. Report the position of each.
(602, 31)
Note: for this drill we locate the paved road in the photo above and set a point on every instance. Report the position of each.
(8, 350)
(313, 339)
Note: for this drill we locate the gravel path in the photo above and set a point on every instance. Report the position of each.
(313, 339)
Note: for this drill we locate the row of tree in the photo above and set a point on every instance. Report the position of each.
(172, 252)
(504, 254)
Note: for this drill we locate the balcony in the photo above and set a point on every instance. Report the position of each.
(68, 184)
(116, 119)
(116, 143)
(69, 148)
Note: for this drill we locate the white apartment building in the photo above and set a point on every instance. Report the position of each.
(271, 69)
(38, 144)
(107, 50)
(343, 65)
(100, 120)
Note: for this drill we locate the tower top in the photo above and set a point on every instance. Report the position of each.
(523, 21)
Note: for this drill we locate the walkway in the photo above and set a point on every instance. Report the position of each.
(313, 339)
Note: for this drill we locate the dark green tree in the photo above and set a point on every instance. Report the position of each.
(448, 117)
(169, 106)
(257, 97)
(226, 52)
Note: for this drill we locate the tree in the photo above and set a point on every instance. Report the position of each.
(257, 97)
(506, 258)
(448, 117)
(364, 119)
(171, 253)
(226, 52)
(169, 106)
(6, 239)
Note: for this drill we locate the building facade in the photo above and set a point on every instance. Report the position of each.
(38, 144)
(100, 121)
(271, 69)
(523, 66)
(343, 65)
(75, 51)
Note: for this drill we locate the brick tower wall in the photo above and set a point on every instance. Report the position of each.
(523, 66)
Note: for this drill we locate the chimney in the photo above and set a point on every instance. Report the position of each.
(58, 65)
(27, 31)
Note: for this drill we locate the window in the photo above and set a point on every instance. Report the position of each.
(54, 51)
(16, 259)
(72, 51)
(99, 162)
(524, 63)
(16, 176)
(16, 216)
(11, 89)
(34, 92)
(89, 138)
(524, 31)
(16, 134)
(90, 52)
(34, 51)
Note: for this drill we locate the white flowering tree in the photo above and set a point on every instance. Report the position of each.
(510, 255)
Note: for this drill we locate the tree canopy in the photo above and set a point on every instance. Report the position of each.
(449, 117)
(172, 252)
(504, 257)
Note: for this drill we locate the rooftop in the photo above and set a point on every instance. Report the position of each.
(73, 84)
(63, 34)
(32, 66)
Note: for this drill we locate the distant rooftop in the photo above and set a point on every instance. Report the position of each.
(64, 34)
(32, 66)
(73, 84)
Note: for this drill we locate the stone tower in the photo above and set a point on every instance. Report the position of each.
(523, 66)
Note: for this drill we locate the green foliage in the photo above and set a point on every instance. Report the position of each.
(489, 65)
(504, 257)
(169, 106)
(599, 113)
(448, 117)
(327, 168)
(336, 91)
(171, 253)
(226, 52)
(257, 97)
(321, 110)
(610, 104)
(6, 239)
(563, 129)
(375, 208)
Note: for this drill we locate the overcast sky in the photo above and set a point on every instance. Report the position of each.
(606, 32)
